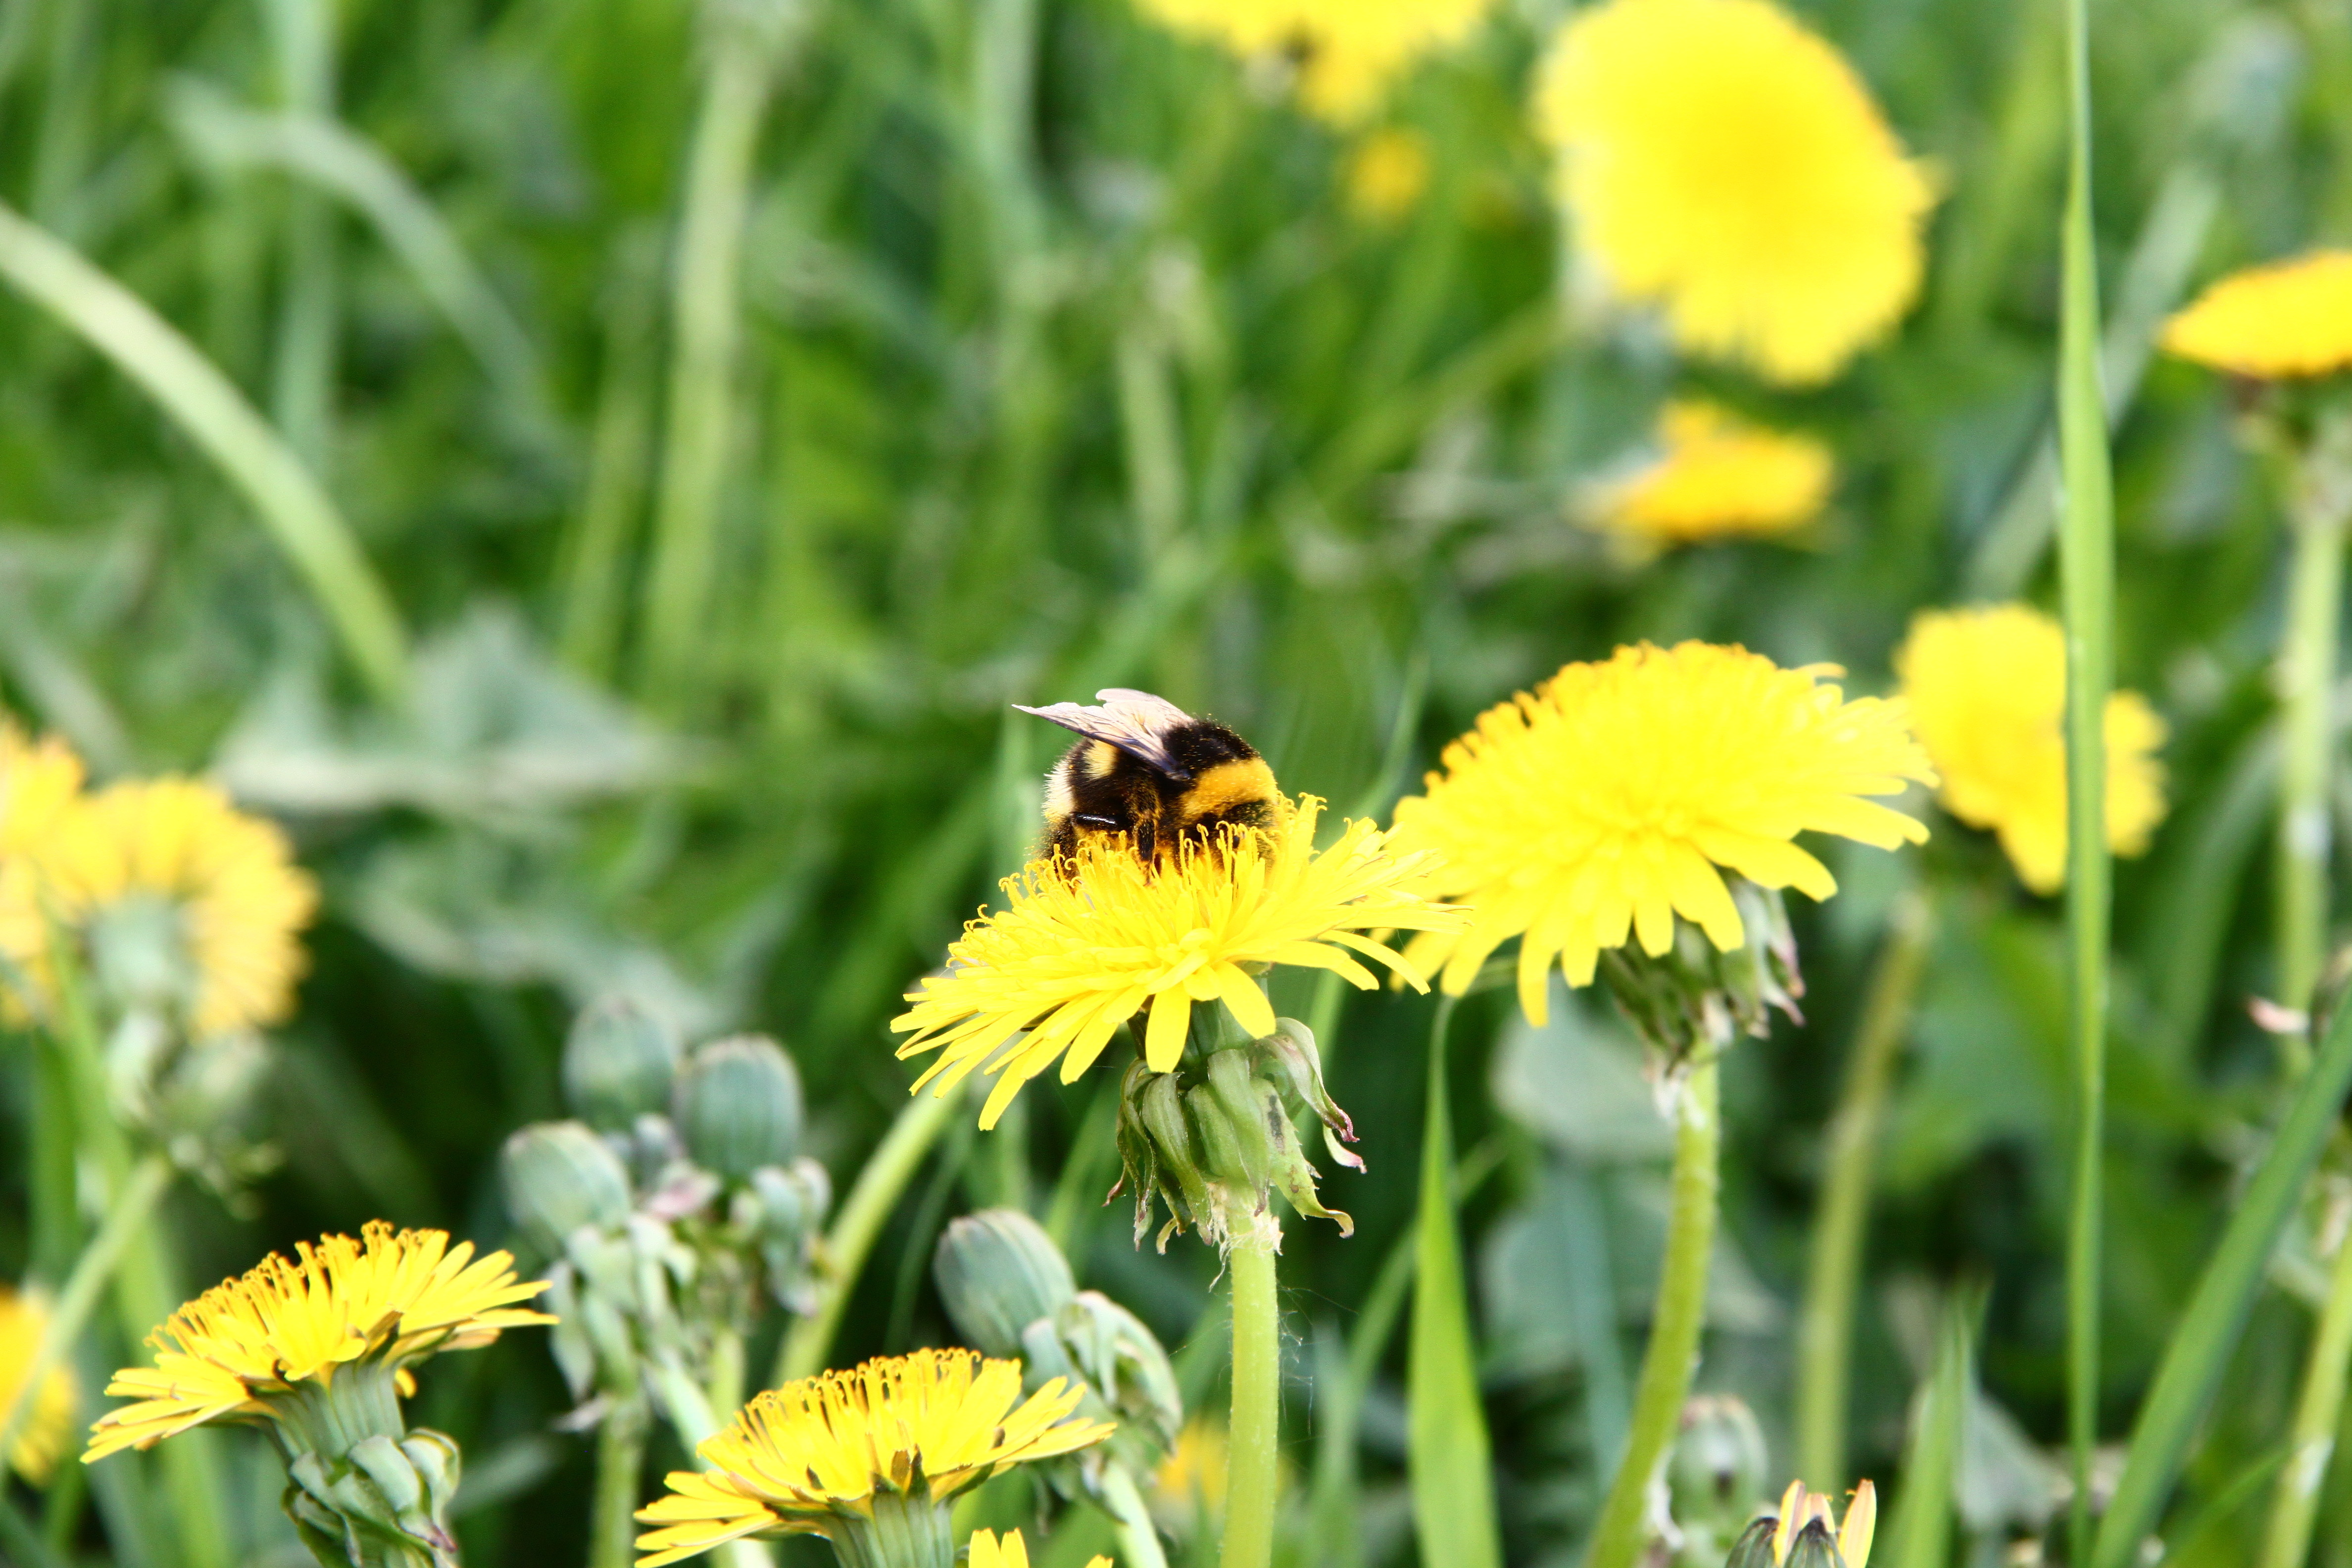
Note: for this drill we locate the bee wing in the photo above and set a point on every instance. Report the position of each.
(1136, 722)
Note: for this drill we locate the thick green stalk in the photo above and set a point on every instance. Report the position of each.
(2308, 678)
(859, 1221)
(133, 1202)
(620, 1463)
(215, 414)
(705, 309)
(2312, 1442)
(1833, 1271)
(2086, 561)
(1448, 1456)
(1254, 1429)
(1622, 1533)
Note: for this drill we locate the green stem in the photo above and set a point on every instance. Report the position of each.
(2313, 1441)
(1681, 1313)
(2086, 560)
(216, 415)
(1834, 1272)
(620, 1465)
(303, 378)
(859, 1222)
(2307, 677)
(135, 1200)
(1254, 1432)
(705, 309)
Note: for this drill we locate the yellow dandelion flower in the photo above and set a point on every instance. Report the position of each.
(1011, 1552)
(1087, 943)
(2287, 318)
(1610, 800)
(1806, 1513)
(820, 1455)
(1191, 1480)
(37, 780)
(24, 1318)
(1717, 477)
(1387, 172)
(183, 896)
(242, 1350)
(1348, 52)
(1724, 163)
(1987, 692)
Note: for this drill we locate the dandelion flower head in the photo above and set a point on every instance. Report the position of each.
(1087, 943)
(385, 1300)
(38, 780)
(183, 896)
(1348, 52)
(1387, 172)
(2287, 318)
(1717, 477)
(1613, 798)
(24, 1318)
(1011, 1552)
(1726, 163)
(812, 1457)
(1988, 691)
(1803, 1513)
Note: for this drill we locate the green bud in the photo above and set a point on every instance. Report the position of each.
(618, 1064)
(1814, 1547)
(1125, 1364)
(1694, 1000)
(998, 1272)
(1715, 1475)
(1753, 1547)
(560, 1176)
(737, 1103)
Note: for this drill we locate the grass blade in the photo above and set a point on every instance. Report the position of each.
(1447, 1453)
(217, 416)
(2200, 1346)
(1920, 1532)
(2086, 562)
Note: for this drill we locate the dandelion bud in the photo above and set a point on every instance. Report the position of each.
(560, 1176)
(737, 1103)
(618, 1064)
(1125, 1364)
(1716, 1473)
(1753, 1547)
(999, 1272)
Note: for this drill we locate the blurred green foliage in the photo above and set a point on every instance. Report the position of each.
(1062, 363)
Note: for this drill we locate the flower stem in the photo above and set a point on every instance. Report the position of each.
(2312, 1442)
(92, 1271)
(1139, 1538)
(2307, 675)
(620, 1463)
(871, 1198)
(1825, 1323)
(1674, 1325)
(1254, 1428)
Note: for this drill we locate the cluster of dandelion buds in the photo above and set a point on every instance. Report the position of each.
(1010, 1294)
(1214, 1137)
(1693, 1001)
(669, 1212)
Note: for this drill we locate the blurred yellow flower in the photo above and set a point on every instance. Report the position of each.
(820, 1456)
(1717, 477)
(2287, 318)
(37, 780)
(1348, 52)
(239, 1351)
(1601, 806)
(1723, 162)
(988, 1551)
(1387, 172)
(183, 896)
(23, 1317)
(1088, 942)
(1988, 691)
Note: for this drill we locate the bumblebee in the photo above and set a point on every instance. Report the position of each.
(1147, 772)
